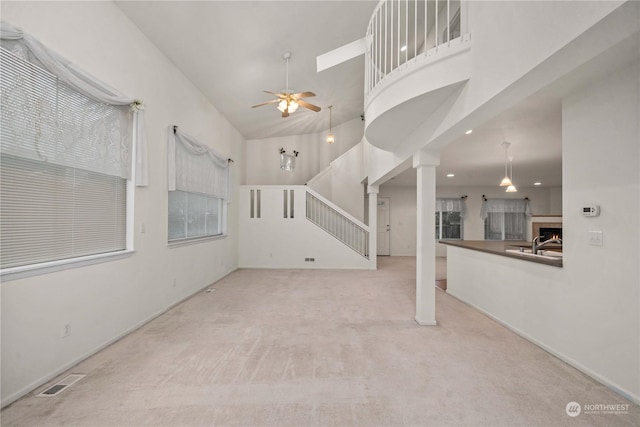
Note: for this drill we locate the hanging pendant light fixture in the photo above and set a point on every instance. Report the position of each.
(506, 181)
(330, 138)
(511, 188)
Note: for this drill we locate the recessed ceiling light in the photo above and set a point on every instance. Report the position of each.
(468, 132)
(450, 175)
(537, 183)
(403, 48)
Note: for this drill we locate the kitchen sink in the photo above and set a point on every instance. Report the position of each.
(545, 254)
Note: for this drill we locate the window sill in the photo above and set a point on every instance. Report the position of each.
(24, 271)
(195, 240)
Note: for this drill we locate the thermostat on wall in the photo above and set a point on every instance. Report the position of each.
(591, 210)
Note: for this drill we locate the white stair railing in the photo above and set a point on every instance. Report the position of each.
(338, 225)
(403, 30)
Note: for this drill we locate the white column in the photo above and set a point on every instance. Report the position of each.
(373, 191)
(426, 162)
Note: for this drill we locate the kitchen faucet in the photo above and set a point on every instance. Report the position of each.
(535, 246)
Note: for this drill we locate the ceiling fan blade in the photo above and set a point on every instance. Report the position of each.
(309, 106)
(273, 101)
(304, 94)
(280, 95)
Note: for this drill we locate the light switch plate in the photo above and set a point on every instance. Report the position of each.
(595, 238)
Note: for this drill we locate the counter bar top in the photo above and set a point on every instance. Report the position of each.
(499, 247)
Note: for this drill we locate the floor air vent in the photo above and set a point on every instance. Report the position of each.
(61, 386)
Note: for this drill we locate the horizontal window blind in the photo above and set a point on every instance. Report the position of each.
(194, 215)
(65, 162)
(44, 119)
(51, 212)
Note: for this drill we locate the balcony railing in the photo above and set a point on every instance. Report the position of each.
(401, 31)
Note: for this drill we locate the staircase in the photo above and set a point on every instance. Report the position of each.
(296, 227)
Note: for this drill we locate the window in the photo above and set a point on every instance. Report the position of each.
(66, 163)
(449, 218)
(198, 188)
(505, 219)
(194, 215)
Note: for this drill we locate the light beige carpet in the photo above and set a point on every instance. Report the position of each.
(321, 348)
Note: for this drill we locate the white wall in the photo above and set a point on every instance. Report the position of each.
(403, 212)
(588, 312)
(263, 158)
(555, 201)
(273, 241)
(342, 181)
(403, 217)
(104, 301)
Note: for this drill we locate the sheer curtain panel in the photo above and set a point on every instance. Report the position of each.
(505, 219)
(199, 183)
(68, 76)
(65, 153)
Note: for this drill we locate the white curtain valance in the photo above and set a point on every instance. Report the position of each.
(31, 50)
(451, 205)
(196, 168)
(505, 206)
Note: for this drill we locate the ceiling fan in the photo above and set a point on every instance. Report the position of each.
(288, 101)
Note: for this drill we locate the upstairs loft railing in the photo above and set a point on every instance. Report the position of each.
(338, 225)
(401, 31)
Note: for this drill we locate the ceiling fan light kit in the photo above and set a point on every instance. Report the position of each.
(288, 101)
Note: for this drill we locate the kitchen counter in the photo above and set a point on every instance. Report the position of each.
(499, 247)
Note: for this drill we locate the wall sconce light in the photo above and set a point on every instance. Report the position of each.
(288, 161)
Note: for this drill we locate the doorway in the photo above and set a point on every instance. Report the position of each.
(384, 226)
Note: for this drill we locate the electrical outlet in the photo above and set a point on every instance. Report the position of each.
(66, 330)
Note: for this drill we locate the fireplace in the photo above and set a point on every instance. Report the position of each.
(546, 230)
(547, 233)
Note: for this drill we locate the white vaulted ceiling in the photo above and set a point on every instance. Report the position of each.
(232, 51)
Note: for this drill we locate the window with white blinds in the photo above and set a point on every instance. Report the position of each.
(193, 215)
(65, 162)
(198, 187)
(450, 214)
(505, 219)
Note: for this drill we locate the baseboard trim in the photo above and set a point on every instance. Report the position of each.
(426, 322)
(568, 360)
(62, 369)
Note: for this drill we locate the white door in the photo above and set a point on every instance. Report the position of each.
(383, 226)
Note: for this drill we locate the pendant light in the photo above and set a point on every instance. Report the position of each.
(511, 188)
(330, 137)
(506, 181)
